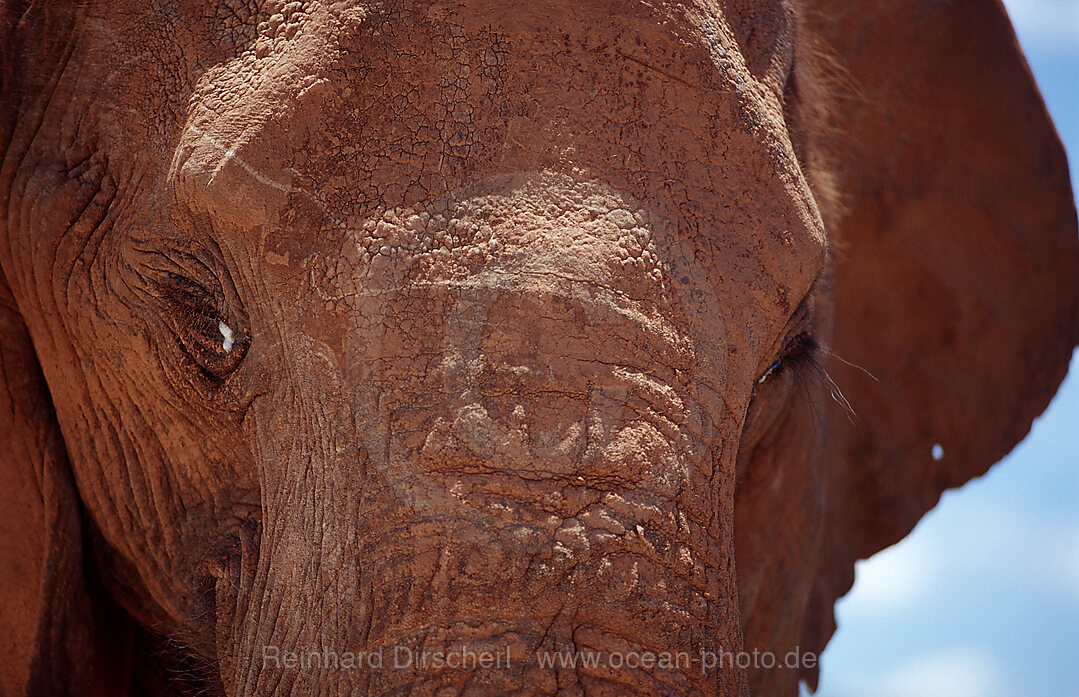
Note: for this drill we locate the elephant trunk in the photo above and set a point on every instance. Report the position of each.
(594, 559)
(605, 590)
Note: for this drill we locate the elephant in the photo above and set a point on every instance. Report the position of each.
(488, 333)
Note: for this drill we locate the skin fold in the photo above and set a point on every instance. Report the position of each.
(618, 327)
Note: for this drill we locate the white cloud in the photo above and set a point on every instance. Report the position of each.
(956, 673)
(1072, 556)
(984, 541)
(1055, 561)
(1040, 22)
(959, 672)
(893, 579)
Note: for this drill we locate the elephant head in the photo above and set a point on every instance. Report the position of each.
(616, 327)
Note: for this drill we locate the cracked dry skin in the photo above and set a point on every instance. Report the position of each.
(356, 327)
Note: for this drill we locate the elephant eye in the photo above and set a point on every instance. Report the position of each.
(771, 369)
(212, 340)
(800, 352)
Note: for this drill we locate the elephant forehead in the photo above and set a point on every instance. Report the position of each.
(349, 112)
(525, 223)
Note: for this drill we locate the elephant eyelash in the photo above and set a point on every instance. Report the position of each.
(189, 298)
(801, 359)
(801, 354)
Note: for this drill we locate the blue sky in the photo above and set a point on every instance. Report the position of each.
(982, 599)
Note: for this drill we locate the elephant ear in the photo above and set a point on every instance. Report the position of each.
(957, 270)
(46, 643)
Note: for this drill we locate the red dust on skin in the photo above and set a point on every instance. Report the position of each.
(359, 326)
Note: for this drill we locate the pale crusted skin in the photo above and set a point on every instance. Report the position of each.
(360, 325)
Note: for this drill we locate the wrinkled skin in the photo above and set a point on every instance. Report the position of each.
(527, 308)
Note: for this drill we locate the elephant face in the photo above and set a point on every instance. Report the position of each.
(393, 328)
